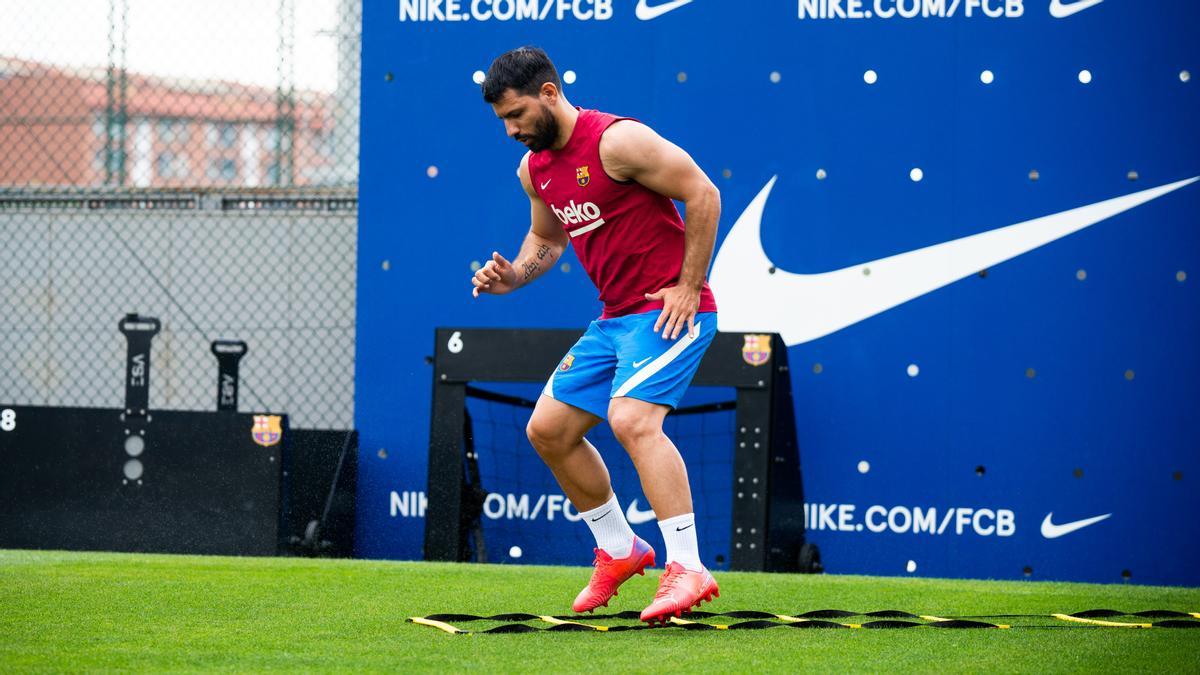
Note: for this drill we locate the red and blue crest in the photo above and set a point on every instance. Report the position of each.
(267, 429)
(757, 349)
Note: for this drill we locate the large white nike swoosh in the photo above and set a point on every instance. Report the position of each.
(1061, 10)
(804, 307)
(636, 517)
(645, 12)
(1052, 531)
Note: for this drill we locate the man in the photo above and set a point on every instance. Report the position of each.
(605, 184)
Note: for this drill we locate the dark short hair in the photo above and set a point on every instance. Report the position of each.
(524, 70)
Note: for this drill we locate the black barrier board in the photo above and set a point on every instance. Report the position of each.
(189, 482)
(320, 478)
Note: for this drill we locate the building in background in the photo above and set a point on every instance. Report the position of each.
(94, 127)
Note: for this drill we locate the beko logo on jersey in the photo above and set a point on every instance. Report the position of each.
(505, 10)
(574, 214)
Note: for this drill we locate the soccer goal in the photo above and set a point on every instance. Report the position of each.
(492, 499)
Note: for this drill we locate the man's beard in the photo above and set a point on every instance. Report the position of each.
(545, 132)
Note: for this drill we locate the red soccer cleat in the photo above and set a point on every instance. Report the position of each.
(610, 573)
(680, 589)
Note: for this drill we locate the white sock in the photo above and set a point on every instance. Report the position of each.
(608, 525)
(680, 535)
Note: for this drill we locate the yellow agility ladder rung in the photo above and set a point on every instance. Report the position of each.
(440, 625)
(560, 622)
(1098, 622)
(684, 622)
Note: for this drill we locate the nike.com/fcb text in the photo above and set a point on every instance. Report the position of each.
(497, 506)
(915, 520)
(505, 10)
(910, 9)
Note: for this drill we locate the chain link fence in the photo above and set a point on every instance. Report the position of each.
(193, 161)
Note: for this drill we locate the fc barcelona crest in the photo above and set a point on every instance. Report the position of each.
(757, 349)
(566, 363)
(582, 176)
(267, 430)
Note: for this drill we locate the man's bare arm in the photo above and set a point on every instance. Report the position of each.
(543, 246)
(633, 151)
(546, 240)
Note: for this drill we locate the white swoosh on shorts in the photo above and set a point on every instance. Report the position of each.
(645, 12)
(1061, 10)
(1052, 531)
(636, 517)
(804, 307)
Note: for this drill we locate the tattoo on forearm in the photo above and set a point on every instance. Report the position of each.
(542, 251)
(530, 268)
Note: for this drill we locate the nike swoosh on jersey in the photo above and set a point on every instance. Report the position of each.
(645, 12)
(636, 517)
(1052, 531)
(804, 307)
(1061, 10)
(546, 183)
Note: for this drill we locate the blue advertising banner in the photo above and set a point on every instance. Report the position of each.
(974, 222)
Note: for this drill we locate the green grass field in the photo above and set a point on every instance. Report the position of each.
(102, 611)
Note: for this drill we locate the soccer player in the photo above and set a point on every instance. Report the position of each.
(604, 184)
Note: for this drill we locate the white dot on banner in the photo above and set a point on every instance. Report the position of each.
(475, 265)
(864, 466)
(911, 566)
(1184, 76)
(432, 172)
(913, 370)
(916, 175)
(821, 174)
(775, 76)
(987, 77)
(1081, 274)
(569, 77)
(870, 77)
(1085, 76)
(514, 552)
(1181, 276)
(478, 77)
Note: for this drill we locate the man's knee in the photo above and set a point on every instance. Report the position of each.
(548, 437)
(632, 425)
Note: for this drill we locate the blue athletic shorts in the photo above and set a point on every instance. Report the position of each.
(625, 357)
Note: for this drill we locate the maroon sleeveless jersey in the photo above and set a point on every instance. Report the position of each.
(628, 238)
